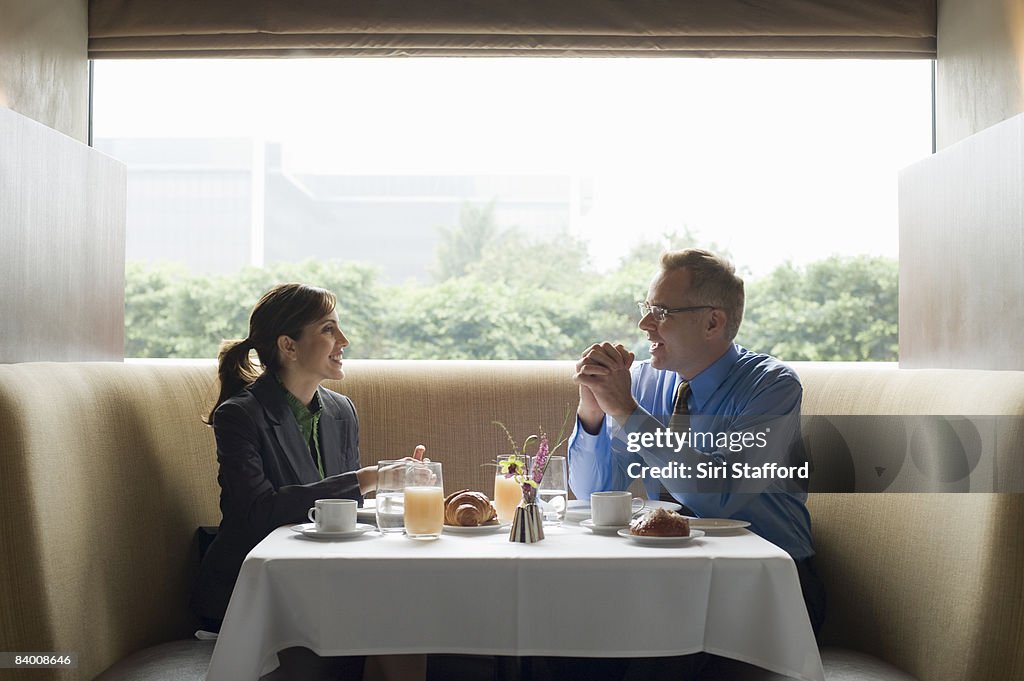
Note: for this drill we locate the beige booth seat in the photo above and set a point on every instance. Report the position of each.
(106, 471)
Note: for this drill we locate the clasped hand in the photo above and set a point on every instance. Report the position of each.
(605, 383)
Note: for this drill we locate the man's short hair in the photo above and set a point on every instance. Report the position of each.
(713, 282)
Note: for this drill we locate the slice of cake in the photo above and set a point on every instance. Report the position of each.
(660, 523)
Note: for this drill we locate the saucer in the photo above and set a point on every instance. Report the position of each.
(601, 529)
(661, 541)
(309, 530)
(488, 528)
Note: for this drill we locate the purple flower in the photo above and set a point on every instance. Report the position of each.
(540, 461)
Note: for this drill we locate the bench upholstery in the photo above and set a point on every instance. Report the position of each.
(106, 471)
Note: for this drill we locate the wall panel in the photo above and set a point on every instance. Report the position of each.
(979, 73)
(962, 254)
(43, 69)
(62, 221)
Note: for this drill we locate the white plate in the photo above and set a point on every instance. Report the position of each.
(368, 513)
(717, 524)
(489, 528)
(658, 503)
(601, 529)
(661, 541)
(578, 510)
(309, 530)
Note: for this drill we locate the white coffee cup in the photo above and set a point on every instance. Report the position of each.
(334, 515)
(614, 508)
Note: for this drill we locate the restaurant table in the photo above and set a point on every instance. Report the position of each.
(574, 593)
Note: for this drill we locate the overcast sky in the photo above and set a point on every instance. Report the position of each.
(774, 159)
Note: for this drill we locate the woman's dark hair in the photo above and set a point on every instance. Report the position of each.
(282, 311)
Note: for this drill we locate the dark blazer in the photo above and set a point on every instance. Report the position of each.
(268, 477)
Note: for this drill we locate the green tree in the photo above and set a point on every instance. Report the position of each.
(611, 301)
(473, 318)
(558, 262)
(149, 296)
(519, 297)
(170, 312)
(460, 247)
(837, 309)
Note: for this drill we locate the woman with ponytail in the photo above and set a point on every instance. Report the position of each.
(283, 440)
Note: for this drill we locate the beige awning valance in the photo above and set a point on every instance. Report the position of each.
(564, 28)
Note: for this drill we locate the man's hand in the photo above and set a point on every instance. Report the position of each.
(604, 379)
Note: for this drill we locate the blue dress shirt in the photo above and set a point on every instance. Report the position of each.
(740, 393)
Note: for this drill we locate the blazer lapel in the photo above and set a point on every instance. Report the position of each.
(292, 449)
(330, 437)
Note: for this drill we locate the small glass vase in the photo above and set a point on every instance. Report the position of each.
(527, 524)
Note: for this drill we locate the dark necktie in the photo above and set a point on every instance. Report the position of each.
(679, 422)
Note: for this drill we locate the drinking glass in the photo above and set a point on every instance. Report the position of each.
(507, 495)
(552, 493)
(424, 500)
(391, 496)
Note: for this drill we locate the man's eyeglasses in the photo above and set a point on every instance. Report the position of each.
(660, 314)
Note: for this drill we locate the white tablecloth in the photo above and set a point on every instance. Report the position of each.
(574, 593)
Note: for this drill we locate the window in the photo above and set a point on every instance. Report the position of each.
(511, 208)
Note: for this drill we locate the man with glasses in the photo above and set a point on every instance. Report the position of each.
(700, 403)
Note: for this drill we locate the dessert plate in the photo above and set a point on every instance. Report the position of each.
(486, 528)
(309, 530)
(601, 529)
(712, 525)
(661, 541)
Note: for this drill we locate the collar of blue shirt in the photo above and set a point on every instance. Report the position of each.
(704, 384)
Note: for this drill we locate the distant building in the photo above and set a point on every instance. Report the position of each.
(219, 204)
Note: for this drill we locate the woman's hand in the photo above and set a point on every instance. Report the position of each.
(367, 476)
(367, 479)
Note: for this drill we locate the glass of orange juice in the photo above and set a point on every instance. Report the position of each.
(424, 500)
(507, 495)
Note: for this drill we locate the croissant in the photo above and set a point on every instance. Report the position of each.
(468, 509)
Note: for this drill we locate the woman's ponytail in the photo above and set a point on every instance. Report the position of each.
(235, 369)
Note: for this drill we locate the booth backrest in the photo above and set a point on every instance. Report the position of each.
(930, 582)
(106, 470)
